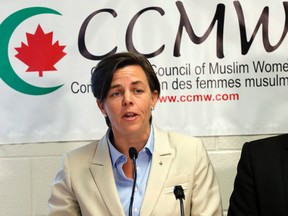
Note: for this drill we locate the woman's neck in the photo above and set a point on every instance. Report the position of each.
(123, 142)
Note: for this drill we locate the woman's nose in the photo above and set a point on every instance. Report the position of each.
(127, 99)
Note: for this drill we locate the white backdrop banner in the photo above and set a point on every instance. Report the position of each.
(222, 65)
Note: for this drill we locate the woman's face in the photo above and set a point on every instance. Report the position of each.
(129, 102)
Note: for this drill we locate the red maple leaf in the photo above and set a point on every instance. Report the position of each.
(40, 54)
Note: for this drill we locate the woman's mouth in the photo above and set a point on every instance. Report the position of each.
(130, 116)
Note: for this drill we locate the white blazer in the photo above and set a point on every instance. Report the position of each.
(85, 184)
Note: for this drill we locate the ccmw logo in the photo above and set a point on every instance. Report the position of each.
(40, 54)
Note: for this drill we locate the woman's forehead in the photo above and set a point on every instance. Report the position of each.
(133, 73)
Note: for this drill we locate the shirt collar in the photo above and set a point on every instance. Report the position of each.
(116, 155)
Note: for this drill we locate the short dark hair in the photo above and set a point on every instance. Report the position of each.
(103, 73)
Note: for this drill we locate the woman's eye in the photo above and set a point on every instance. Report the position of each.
(138, 91)
(115, 94)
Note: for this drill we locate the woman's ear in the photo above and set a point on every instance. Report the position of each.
(155, 97)
(101, 107)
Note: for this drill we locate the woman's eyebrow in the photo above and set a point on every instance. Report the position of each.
(119, 85)
(114, 86)
(137, 82)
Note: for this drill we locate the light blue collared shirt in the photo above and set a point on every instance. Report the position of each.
(124, 185)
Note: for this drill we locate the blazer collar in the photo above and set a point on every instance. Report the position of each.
(102, 172)
(161, 161)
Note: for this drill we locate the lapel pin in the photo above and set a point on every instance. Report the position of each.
(160, 163)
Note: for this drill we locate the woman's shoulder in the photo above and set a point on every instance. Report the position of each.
(84, 151)
(178, 138)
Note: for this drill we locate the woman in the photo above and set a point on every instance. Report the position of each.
(97, 179)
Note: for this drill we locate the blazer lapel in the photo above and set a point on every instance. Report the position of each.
(101, 170)
(161, 160)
